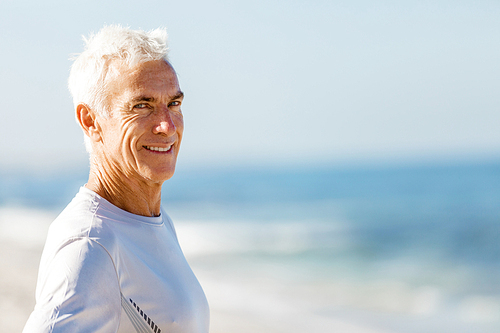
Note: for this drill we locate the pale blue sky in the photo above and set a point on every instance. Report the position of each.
(273, 81)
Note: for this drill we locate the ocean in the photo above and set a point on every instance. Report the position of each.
(408, 248)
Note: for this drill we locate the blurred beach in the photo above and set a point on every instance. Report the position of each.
(392, 249)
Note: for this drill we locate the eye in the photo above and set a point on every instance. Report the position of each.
(141, 106)
(175, 103)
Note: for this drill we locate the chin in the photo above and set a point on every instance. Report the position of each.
(159, 175)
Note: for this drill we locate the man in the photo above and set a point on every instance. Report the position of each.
(112, 262)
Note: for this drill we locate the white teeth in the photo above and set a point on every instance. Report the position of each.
(158, 148)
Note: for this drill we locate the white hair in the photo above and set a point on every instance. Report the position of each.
(90, 71)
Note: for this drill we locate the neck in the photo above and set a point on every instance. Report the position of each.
(134, 196)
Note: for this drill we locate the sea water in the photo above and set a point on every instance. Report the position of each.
(394, 249)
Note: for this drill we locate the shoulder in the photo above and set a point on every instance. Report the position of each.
(77, 217)
(83, 218)
(76, 241)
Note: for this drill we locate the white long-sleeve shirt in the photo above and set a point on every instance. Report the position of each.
(106, 270)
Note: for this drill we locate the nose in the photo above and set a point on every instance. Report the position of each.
(164, 124)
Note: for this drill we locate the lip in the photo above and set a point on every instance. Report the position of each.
(159, 148)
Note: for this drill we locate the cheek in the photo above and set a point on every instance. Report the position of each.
(179, 124)
(129, 133)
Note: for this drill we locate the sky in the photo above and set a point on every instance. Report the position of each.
(272, 82)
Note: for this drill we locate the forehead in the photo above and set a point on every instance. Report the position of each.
(156, 78)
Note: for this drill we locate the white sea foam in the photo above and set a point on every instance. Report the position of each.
(238, 237)
(478, 309)
(25, 226)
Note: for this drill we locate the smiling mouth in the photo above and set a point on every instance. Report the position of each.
(159, 149)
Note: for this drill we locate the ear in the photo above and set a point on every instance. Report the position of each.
(87, 119)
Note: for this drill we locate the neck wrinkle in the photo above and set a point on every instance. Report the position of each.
(125, 192)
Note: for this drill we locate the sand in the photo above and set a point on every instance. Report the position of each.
(17, 284)
(21, 244)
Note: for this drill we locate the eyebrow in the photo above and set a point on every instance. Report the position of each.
(179, 95)
(145, 98)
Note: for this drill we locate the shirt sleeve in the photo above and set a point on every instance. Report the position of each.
(77, 291)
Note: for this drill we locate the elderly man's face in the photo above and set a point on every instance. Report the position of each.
(141, 138)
